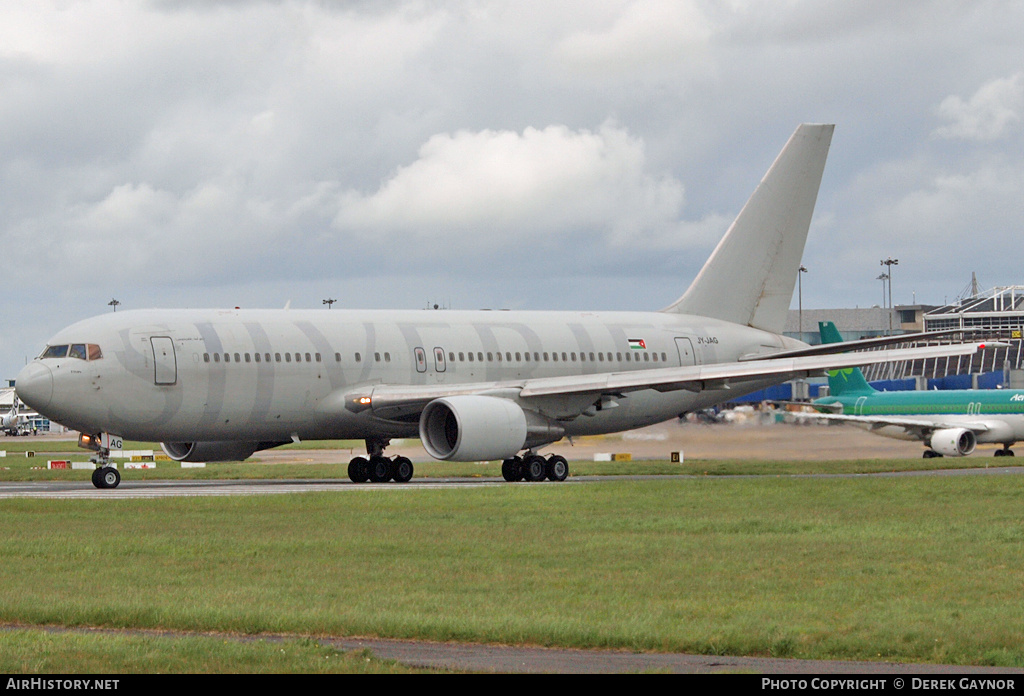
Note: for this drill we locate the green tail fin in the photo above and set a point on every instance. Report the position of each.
(849, 380)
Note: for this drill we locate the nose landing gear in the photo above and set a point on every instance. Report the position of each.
(105, 475)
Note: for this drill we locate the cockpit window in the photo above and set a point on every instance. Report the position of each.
(55, 352)
(82, 351)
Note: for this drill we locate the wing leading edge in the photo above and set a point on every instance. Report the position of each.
(405, 401)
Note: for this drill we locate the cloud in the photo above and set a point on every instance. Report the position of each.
(496, 189)
(226, 152)
(641, 36)
(988, 115)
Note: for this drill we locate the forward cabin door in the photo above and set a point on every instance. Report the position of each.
(165, 364)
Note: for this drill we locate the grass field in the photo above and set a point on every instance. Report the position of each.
(907, 569)
(33, 651)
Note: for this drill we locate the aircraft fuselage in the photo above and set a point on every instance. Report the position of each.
(269, 375)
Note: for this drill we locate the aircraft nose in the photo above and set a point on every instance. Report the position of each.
(34, 385)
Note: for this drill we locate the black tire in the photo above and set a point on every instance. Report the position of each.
(380, 469)
(402, 469)
(557, 468)
(359, 470)
(534, 468)
(512, 469)
(109, 477)
(96, 481)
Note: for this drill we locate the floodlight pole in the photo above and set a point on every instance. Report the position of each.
(800, 295)
(890, 262)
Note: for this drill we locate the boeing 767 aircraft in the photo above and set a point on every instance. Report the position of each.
(215, 385)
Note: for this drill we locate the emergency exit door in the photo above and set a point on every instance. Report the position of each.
(165, 364)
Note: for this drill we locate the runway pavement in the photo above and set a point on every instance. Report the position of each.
(171, 489)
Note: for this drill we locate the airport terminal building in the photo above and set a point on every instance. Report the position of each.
(994, 314)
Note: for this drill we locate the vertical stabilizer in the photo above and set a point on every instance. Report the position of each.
(847, 381)
(750, 276)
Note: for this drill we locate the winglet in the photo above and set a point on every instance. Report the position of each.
(750, 276)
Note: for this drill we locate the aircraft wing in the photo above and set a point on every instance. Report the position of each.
(919, 427)
(405, 401)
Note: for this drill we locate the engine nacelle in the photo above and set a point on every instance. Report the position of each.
(474, 428)
(953, 442)
(226, 451)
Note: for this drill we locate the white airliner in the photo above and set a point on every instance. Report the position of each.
(215, 385)
(9, 422)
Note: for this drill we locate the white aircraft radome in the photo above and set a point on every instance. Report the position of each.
(216, 385)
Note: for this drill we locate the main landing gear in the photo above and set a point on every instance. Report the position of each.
(534, 467)
(378, 468)
(1004, 452)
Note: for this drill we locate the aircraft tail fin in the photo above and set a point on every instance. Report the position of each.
(846, 381)
(750, 276)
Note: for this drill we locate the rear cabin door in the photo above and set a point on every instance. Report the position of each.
(685, 348)
(165, 364)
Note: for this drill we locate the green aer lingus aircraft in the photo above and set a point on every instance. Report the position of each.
(949, 422)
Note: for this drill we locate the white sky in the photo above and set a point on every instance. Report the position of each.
(545, 155)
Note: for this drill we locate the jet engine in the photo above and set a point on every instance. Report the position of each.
(226, 451)
(953, 442)
(472, 428)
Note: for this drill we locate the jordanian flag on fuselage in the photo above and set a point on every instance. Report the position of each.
(637, 344)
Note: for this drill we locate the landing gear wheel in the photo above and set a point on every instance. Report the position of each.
(930, 454)
(534, 468)
(380, 469)
(557, 469)
(402, 467)
(512, 469)
(1005, 452)
(359, 470)
(106, 477)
